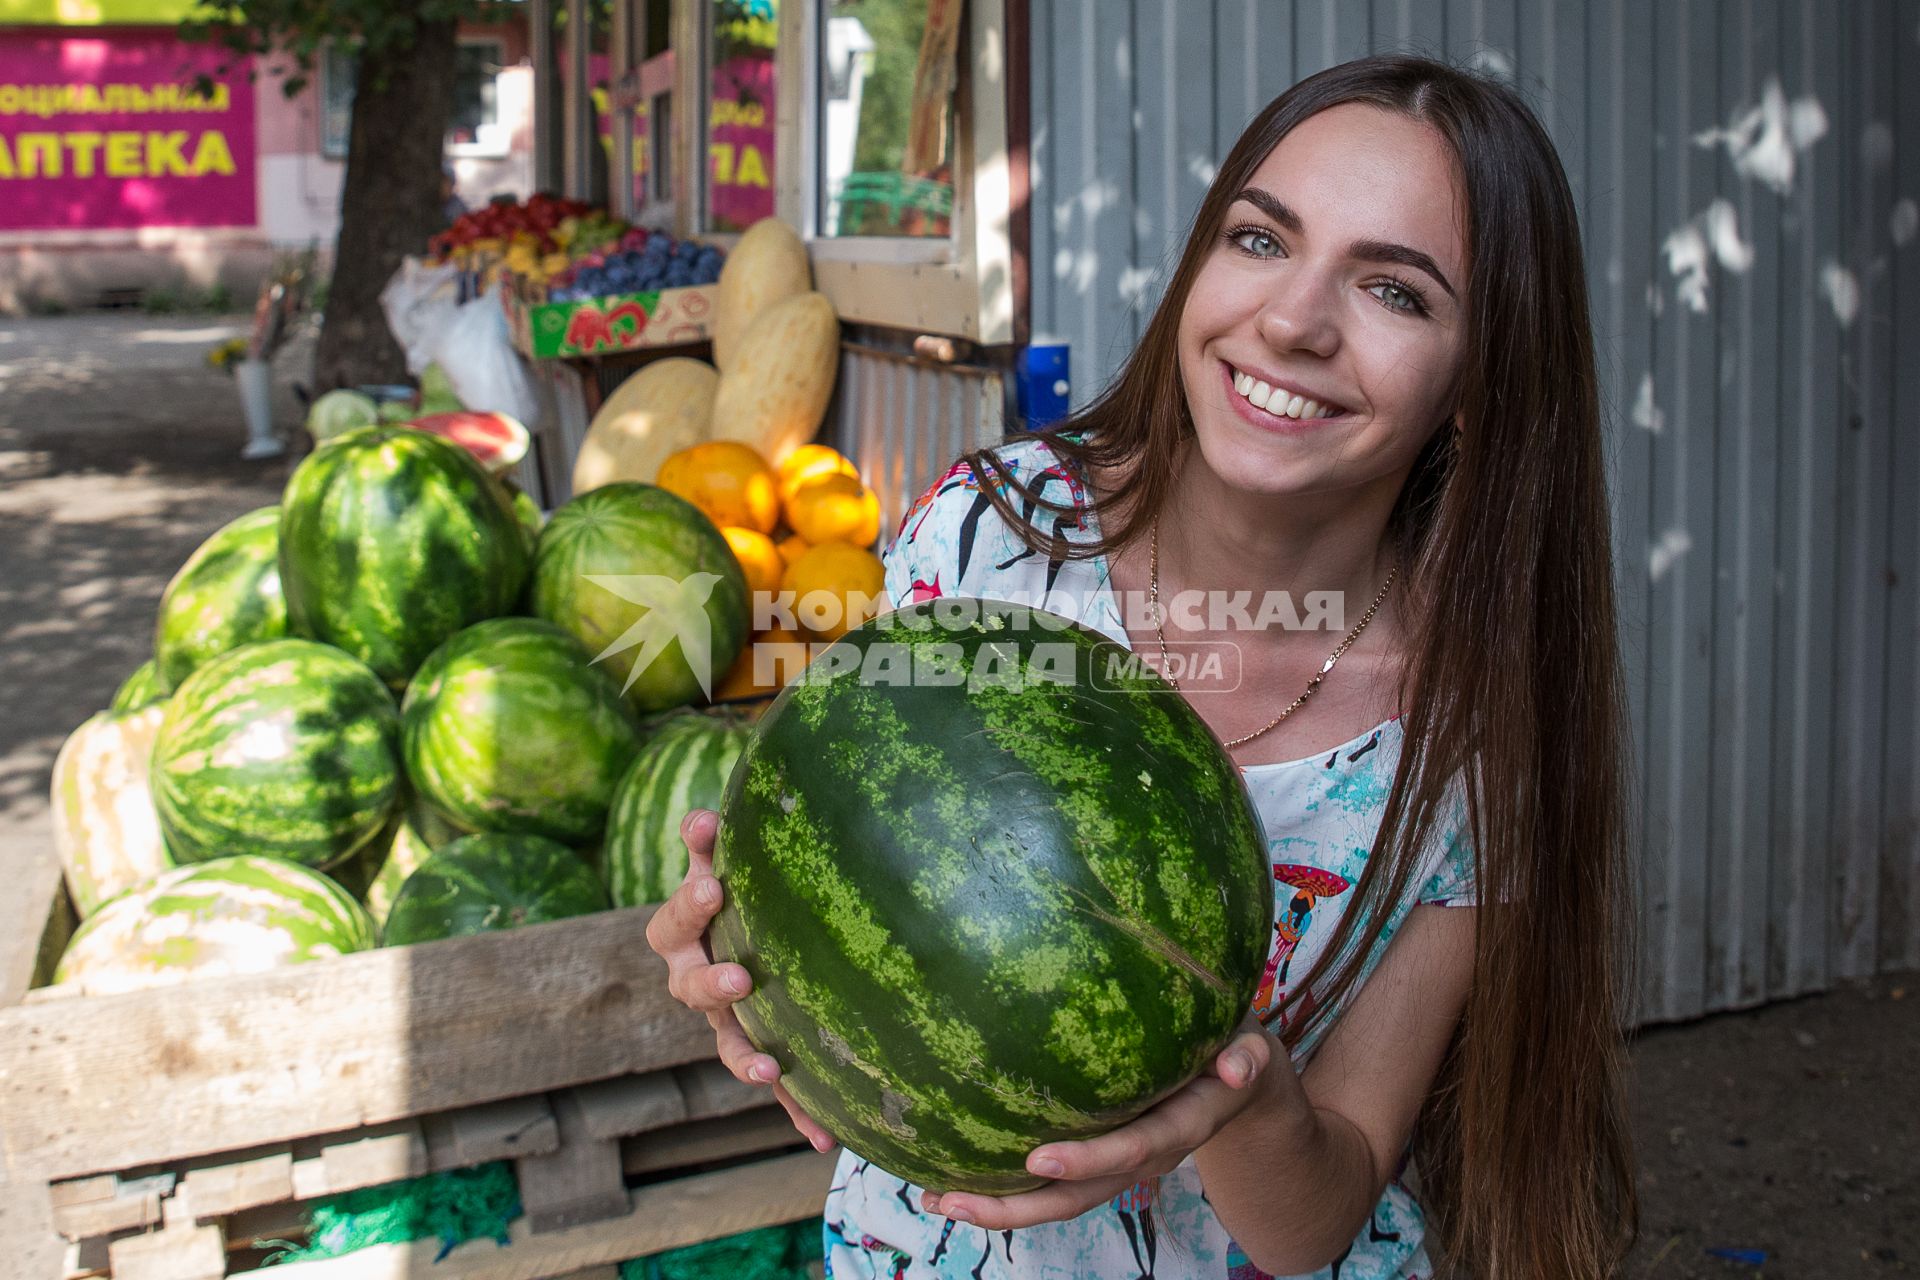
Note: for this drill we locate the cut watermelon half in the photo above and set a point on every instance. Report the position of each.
(495, 439)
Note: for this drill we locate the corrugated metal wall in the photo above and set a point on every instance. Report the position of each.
(1748, 176)
(905, 418)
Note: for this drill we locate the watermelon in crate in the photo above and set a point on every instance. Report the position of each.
(393, 539)
(508, 727)
(649, 585)
(683, 766)
(242, 914)
(227, 594)
(492, 881)
(1013, 898)
(142, 688)
(286, 747)
(105, 829)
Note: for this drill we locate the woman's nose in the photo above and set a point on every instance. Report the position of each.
(1301, 314)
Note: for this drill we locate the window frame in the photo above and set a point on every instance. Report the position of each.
(959, 286)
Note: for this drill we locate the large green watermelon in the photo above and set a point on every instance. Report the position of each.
(227, 594)
(105, 829)
(286, 747)
(992, 892)
(627, 568)
(508, 727)
(492, 881)
(391, 540)
(141, 688)
(243, 914)
(683, 766)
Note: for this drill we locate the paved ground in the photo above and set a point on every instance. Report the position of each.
(1792, 1131)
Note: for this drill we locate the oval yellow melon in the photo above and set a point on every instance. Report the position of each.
(777, 390)
(769, 263)
(664, 408)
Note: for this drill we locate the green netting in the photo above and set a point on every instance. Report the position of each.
(451, 1207)
(771, 1253)
(471, 1204)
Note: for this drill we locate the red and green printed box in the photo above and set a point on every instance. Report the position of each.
(619, 322)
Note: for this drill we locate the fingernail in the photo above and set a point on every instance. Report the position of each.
(1046, 1167)
(730, 982)
(822, 1143)
(960, 1213)
(1247, 1069)
(759, 1074)
(707, 892)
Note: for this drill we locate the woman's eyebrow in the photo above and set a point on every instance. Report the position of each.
(1365, 250)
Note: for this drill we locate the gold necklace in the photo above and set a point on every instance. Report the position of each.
(1159, 629)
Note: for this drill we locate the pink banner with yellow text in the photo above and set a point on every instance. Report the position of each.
(106, 129)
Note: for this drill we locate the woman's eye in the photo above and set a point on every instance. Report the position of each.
(1257, 243)
(1408, 300)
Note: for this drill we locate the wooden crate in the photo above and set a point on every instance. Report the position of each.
(172, 1127)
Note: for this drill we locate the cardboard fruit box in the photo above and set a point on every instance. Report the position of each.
(601, 326)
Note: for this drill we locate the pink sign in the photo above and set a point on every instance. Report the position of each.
(105, 130)
(741, 141)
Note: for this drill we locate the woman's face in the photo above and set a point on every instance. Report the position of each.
(1340, 272)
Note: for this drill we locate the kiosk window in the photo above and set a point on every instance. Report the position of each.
(887, 76)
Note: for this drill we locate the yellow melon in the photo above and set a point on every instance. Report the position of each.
(775, 393)
(664, 408)
(767, 264)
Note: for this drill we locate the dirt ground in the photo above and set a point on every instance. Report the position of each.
(1786, 1137)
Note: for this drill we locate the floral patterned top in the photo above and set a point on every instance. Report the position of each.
(1320, 816)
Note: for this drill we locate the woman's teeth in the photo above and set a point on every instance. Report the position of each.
(1262, 396)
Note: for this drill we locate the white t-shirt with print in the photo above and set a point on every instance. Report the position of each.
(1320, 816)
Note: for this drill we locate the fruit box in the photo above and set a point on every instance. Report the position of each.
(175, 1126)
(602, 326)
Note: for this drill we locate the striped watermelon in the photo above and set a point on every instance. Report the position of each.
(104, 825)
(391, 540)
(683, 766)
(244, 914)
(508, 727)
(650, 546)
(142, 688)
(227, 594)
(286, 747)
(1016, 907)
(492, 881)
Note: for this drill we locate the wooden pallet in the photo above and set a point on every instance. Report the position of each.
(173, 1127)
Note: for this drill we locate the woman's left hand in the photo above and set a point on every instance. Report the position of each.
(1090, 1173)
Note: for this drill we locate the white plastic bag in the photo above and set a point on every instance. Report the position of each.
(476, 352)
(420, 301)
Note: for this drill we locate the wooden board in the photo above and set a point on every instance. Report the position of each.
(115, 1082)
(747, 1133)
(666, 1215)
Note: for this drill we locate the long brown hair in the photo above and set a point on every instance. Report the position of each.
(1502, 528)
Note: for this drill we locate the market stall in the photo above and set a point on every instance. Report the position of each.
(887, 137)
(781, 343)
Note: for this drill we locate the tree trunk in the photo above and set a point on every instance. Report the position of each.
(390, 202)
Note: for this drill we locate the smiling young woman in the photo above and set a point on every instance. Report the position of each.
(1371, 374)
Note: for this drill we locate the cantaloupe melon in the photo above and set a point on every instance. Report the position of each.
(659, 411)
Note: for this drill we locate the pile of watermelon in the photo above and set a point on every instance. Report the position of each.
(396, 707)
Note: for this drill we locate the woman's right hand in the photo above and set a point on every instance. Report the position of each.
(678, 932)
